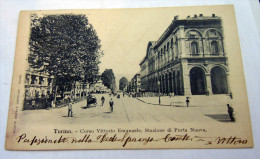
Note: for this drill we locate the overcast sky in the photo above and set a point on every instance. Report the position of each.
(124, 35)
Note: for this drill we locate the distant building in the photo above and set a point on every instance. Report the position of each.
(79, 89)
(135, 84)
(188, 59)
(99, 87)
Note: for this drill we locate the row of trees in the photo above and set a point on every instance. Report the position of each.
(109, 79)
(123, 82)
(67, 46)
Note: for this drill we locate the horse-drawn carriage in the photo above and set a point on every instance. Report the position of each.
(91, 100)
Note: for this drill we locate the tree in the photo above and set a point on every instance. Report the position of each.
(123, 82)
(108, 79)
(67, 46)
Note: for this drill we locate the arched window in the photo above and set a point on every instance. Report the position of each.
(214, 47)
(171, 43)
(194, 47)
(168, 46)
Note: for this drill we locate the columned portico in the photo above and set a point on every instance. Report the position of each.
(188, 60)
(209, 87)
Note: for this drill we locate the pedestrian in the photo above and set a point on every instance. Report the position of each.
(111, 103)
(33, 104)
(230, 112)
(230, 95)
(187, 101)
(102, 100)
(70, 108)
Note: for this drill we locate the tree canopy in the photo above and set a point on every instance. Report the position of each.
(108, 79)
(66, 46)
(123, 82)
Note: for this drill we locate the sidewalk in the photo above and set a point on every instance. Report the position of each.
(195, 100)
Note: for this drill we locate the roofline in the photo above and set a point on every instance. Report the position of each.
(174, 22)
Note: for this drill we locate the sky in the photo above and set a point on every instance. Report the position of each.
(124, 36)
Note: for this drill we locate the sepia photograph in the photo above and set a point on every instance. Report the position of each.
(139, 78)
(185, 67)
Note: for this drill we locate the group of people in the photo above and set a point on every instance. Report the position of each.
(111, 103)
(70, 112)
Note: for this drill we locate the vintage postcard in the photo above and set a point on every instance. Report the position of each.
(148, 78)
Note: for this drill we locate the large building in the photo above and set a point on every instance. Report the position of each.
(188, 59)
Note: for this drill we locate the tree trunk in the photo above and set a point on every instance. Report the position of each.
(75, 94)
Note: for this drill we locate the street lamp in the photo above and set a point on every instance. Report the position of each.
(159, 92)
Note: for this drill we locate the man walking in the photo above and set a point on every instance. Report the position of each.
(187, 101)
(111, 103)
(102, 100)
(70, 108)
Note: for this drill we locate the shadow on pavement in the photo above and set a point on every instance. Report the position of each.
(219, 117)
(88, 107)
(172, 105)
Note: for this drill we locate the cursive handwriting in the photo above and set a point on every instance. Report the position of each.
(127, 138)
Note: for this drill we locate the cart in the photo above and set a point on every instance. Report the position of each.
(91, 100)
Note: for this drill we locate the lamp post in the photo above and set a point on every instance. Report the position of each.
(159, 92)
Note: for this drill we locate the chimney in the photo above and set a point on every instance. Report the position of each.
(201, 15)
(213, 15)
(176, 17)
(195, 15)
(188, 16)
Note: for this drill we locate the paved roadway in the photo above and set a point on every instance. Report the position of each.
(128, 110)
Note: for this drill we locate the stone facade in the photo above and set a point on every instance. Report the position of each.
(188, 59)
(37, 84)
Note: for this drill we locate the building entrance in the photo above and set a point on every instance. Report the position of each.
(218, 80)
(197, 81)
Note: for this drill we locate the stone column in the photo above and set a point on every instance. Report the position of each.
(165, 85)
(161, 85)
(186, 85)
(208, 82)
(172, 80)
(182, 42)
(170, 86)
